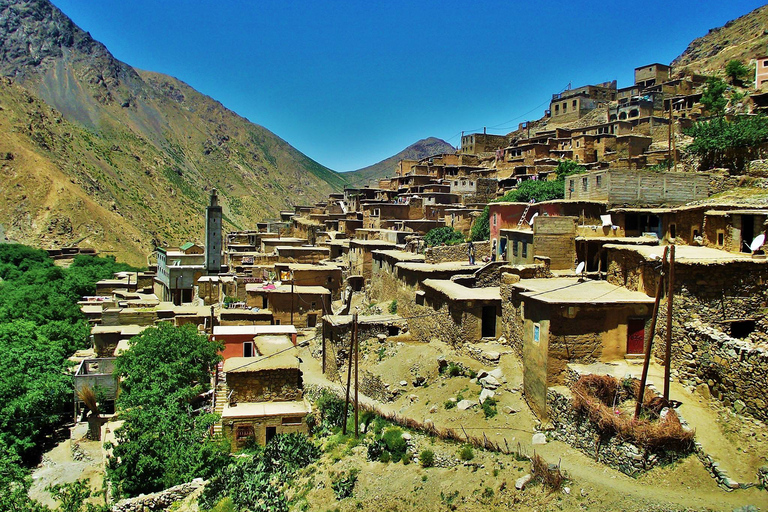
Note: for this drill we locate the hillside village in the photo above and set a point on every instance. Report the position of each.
(534, 334)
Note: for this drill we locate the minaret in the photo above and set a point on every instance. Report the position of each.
(213, 235)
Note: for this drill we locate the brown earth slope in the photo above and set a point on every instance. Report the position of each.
(744, 39)
(140, 149)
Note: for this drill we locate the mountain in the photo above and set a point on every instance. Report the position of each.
(416, 151)
(744, 39)
(109, 156)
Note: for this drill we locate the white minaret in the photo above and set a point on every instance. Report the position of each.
(213, 235)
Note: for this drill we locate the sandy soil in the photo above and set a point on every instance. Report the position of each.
(59, 466)
(684, 485)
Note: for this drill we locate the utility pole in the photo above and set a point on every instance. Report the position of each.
(670, 295)
(356, 342)
(349, 377)
(292, 297)
(649, 340)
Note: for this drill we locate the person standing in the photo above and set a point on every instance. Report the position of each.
(471, 252)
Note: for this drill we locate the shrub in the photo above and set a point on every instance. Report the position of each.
(721, 143)
(736, 71)
(489, 407)
(443, 236)
(406, 458)
(454, 370)
(393, 307)
(343, 484)
(393, 439)
(331, 410)
(449, 404)
(466, 452)
(427, 458)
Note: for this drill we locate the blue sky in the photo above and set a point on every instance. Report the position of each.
(350, 83)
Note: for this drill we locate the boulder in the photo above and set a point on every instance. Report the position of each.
(404, 383)
(465, 404)
(489, 382)
(539, 438)
(485, 395)
(491, 355)
(508, 410)
(497, 374)
(521, 482)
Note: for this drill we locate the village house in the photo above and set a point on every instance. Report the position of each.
(553, 322)
(239, 340)
(262, 397)
(178, 270)
(637, 187)
(299, 305)
(476, 143)
(761, 73)
(553, 238)
(360, 255)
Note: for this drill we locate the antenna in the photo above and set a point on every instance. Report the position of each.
(757, 243)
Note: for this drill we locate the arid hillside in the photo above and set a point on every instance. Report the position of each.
(386, 168)
(743, 39)
(121, 159)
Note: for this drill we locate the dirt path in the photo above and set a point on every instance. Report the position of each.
(683, 485)
(64, 465)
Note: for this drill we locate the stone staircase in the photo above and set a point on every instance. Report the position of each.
(220, 399)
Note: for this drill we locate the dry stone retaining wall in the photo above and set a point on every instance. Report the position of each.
(458, 252)
(159, 500)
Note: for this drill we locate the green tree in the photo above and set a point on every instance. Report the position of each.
(166, 361)
(443, 236)
(537, 190)
(730, 144)
(736, 71)
(712, 98)
(163, 442)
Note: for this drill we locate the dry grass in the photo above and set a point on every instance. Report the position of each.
(88, 397)
(552, 477)
(598, 398)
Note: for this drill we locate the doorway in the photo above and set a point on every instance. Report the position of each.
(635, 336)
(270, 433)
(747, 232)
(489, 322)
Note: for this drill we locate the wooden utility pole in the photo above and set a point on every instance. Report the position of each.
(670, 295)
(356, 342)
(349, 377)
(293, 297)
(649, 340)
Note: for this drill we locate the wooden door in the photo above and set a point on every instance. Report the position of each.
(636, 336)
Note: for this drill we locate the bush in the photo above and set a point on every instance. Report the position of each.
(406, 458)
(331, 410)
(427, 458)
(343, 484)
(721, 143)
(489, 407)
(443, 236)
(449, 404)
(393, 307)
(737, 71)
(393, 439)
(466, 452)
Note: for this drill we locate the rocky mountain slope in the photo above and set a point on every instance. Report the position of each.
(744, 39)
(121, 159)
(416, 151)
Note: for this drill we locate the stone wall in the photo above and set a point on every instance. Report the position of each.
(265, 386)
(732, 370)
(159, 500)
(338, 343)
(437, 321)
(457, 252)
(580, 432)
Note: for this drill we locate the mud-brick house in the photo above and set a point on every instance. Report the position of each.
(328, 276)
(299, 305)
(240, 340)
(455, 313)
(106, 337)
(264, 397)
(558, 321)
(361, 255)
(551, 237)
(734, 229)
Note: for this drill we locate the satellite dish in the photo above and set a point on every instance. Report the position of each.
(533, 217)
(580, 267)
(757, 243)
(654, 257)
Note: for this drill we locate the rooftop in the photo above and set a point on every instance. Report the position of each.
(447, 266)
(336, 320)
(456, 291)
(688, 254)
(276, 361)
(253, 330)
(568, 290)
(287, 288)
(260, 409)
(400, 255)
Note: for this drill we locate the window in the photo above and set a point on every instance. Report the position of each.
(536, 333)
(721, 239)
(598, 182)
(557, 109)
(572, 185)
(672, 231)
(574, 103)
(525, 249)
(291, 420)
(565, 107)
(314, 305)
(584, 184)
(243, 432)
(514, 248)
(248, 349)
(494, 219)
